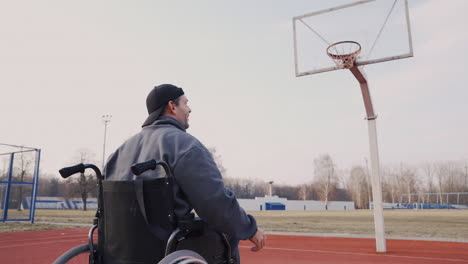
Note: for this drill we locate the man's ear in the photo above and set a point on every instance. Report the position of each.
(170, 108)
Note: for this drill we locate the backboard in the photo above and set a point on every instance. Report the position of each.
(381, 27)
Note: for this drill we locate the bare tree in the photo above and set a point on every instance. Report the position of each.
(428, 170)
(49, 185)
(24, 169)
(441, 174)
(86, 184)
(302, 193)
(218, 160)
(392, 184)
(4, 160)
(325, 178)
(450, 177)
(287, 191)
(357, 186)
(408, 179)
(465, 186)
(245, 188)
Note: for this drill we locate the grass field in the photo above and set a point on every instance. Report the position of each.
(449, 224)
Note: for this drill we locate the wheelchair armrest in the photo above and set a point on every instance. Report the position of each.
(194, 225)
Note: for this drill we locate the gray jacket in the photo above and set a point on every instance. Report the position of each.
(199, 184)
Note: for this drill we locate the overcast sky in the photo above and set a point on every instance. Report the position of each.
(64, 64)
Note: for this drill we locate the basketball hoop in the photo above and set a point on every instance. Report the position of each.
(344, 53)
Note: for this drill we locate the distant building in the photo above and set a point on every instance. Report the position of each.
(276, 203)
(266, 203)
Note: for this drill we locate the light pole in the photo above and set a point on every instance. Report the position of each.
(465, 187)
(271, 184)
(106, 119)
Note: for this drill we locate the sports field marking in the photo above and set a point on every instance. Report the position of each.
(64, 224)
(357, 254)
(43, 242)
(83, 236)
(441, 239)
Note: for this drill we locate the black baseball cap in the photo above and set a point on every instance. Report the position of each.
(157, 100)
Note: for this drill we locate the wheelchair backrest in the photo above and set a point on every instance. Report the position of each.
(138, 217)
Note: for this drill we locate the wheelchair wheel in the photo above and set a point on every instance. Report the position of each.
(78, 254)
(183, 257)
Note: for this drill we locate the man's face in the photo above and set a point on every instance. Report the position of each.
(182, 111)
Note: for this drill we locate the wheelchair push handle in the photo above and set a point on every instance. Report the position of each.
(69, 171)
(79, 168)
(139, 168)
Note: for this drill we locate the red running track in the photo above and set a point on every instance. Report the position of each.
(42, 247)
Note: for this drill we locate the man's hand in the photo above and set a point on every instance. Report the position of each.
(259, 239)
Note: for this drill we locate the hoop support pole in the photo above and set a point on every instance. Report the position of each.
(365, 91)
(375, 165)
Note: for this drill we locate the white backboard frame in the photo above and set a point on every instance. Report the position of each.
(297, 19)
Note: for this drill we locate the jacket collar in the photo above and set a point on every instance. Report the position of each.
(167, 120)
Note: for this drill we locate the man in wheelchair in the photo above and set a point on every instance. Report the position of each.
(196, 183)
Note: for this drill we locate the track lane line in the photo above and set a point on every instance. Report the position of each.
(40, 239)
(358, 254)
(45, 242)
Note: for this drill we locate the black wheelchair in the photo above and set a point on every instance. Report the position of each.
(136, 224)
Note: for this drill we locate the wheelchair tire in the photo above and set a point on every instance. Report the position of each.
(183, 257)
(78, 254)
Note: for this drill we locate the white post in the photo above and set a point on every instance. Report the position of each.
(376, 188)
(374, 155)
(106, 119)
(368, 182)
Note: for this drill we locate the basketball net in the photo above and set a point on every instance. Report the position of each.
(344, 53)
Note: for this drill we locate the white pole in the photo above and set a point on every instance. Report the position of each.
(106, 119)
(376, 188)
(368, 184)
(375, 166)
(466, 176)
